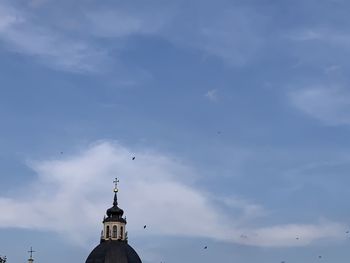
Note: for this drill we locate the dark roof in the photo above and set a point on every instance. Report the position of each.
(115, 211)
(113, 251)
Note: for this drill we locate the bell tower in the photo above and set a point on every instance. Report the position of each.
(114, 223)
(114, 247)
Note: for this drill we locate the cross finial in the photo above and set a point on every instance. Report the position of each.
(116, 181)
(31, 251)
(3, 259)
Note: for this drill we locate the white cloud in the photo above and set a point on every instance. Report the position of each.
(8, 17)
(331, 105)
(232, 35)
(120, 23)
(69, 196)
(295, 235)
(248, 210)
(71, 44)
(37, 3)
(332, 69)
(212, 95)
(74, 44)
(331, 36)
(20, 34)
(306, 35)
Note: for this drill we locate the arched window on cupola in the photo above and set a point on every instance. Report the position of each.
(107, 232)
(121, 232)
(114, 235)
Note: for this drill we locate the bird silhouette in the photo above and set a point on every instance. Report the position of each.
(144, 226)
(205, 247)
(133, 158)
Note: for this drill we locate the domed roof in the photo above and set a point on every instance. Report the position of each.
(113, 251)
(115, 213)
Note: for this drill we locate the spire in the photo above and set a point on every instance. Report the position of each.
(115, 212)
(114, 223)
(115, 190)
(115, 202)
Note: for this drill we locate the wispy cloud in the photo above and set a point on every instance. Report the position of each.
(37, 3)
(233, 35)
(212, 95)
(117, 23)
(306, 35)
(230, 35)
(20, 34)
(329, 35)
(8, 18)
(72, 45)
(332, 69)
(296, 235)
(331, 105)
(153, 191)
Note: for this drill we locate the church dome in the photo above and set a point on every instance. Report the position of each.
(113, 251)
(115, 211)
(114, 247)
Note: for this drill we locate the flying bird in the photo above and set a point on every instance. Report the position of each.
(133, 158)
(205, 247)
(144, 226)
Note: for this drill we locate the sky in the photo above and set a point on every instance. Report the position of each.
(237, 113)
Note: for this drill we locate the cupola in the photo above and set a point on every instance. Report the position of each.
(114, 223)
(113, 247)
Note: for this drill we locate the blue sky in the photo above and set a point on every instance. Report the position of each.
(237, 112)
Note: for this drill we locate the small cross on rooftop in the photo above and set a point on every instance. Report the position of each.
(31, 251)
(116, 181)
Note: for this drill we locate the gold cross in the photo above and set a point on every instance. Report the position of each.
(116, 181)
